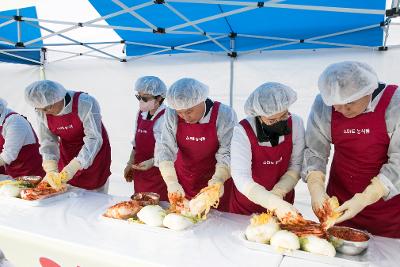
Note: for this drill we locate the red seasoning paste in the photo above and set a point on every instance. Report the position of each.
(348, 234)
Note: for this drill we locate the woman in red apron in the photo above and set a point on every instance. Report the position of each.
(70, 126)
(364, 129)
(267, 152)
(140, 168)
(19, 147)
(194, 150)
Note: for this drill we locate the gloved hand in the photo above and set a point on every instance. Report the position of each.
(52, 175)
(54, 179)
(286, 184)
(144, 165)
(168, 173)
(50, 166)
(70, 170)
(374, 192)
(128, 171)
(316, 186)
(261, 196)
(221, 174)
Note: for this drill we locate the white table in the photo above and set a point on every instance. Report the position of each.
(71, 232)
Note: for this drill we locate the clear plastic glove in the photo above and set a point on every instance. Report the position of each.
(144, 165)
(168, 173)
(70, 170)
(222, 173)
(374, 192)
(261, 196)
(286, 184)
(316, 186)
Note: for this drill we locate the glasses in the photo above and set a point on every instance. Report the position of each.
(45, 109)
(273, 121)
(145, 98)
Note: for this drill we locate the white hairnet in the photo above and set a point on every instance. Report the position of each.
(347, 81)
(151, 85)
(44, 93)
(269, 99)
(186, 93)
(3, 105)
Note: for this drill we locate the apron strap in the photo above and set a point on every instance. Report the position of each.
(249, 131)
(12, 113)
(386, 98)
(4, 121)
(75, 102)
(159, 115)
(214, 112)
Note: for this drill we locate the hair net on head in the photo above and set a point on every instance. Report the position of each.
(3, 105)
(151, 85)
(186, 93)
(347, 81)
(44, 93)
(269, 99)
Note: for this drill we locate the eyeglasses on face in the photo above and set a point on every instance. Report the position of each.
(46, 108)
(145, 98)
(283, 117)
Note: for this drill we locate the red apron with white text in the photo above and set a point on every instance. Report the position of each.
(195, 162)
(69, 129)
(361, 146)
(268, 166)
(150, 180)
(28, 162)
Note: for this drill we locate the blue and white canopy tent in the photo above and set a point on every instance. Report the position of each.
(221, 27)
(13, 34)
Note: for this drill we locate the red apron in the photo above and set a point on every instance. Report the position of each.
(70, 131)
(195, 162)
(268, 166)
(150, 180)
(361, 146)
(28, 162)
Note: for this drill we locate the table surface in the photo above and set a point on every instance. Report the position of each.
(78, 220)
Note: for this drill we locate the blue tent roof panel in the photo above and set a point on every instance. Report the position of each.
(294, 20)
(9, 37)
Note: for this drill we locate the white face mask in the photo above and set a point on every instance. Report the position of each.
(147, 106)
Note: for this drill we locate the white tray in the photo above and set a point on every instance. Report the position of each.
(339, 259)
(160, 229)
(71, 192)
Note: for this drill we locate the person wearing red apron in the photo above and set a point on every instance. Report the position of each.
(19, 147)
(140, 168)
(363, 124)
(266, 153)
(70, 126)
(194, 151)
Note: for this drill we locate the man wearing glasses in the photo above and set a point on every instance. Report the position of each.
(72, 137)
(360, 117)
(194, 150)
(267, 152)
(19, 146)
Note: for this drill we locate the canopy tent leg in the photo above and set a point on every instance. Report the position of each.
(232, 56)
(42, 68)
